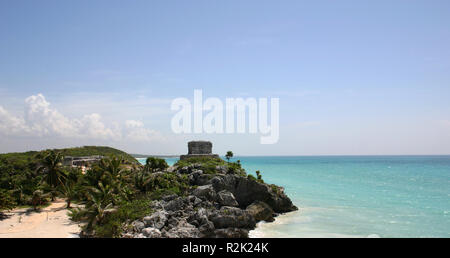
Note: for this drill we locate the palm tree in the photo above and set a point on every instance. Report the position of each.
(97, 211)
(258, 176)
(69, 191)
(116, 177)
(99, 204)
(229, 155)
(112, 168)
(51, 166)
(142, 180)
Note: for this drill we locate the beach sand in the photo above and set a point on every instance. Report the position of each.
(49, 222)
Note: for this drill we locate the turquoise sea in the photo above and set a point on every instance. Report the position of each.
(358, 196)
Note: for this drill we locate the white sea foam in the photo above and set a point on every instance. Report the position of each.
(295, 225)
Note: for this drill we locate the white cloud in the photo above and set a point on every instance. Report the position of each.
(135, 131)
(133, 124)
(11, 125)
(92, 126)
(41, 120)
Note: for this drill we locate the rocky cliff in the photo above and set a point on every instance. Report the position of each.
(222, 202)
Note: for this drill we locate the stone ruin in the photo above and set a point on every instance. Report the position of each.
(199, 149)
(81, 161)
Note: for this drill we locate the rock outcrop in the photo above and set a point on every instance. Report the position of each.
(222, 204)
(248, 190)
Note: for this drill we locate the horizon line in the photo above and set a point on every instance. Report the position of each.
(319, 155)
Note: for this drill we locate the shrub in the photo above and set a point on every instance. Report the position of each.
(153, 164)
(259, 177)
(113, 224)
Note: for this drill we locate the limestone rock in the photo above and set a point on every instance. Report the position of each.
(246, 191)
(151, 232)
(261, 211)
(226, 198)
(138, 226)
(231, 233)
(176, 204)
(232, 217)
(156, 220)
(205, 192)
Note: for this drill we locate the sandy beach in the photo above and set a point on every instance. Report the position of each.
(49, 222)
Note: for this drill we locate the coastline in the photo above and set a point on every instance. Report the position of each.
(291, 220)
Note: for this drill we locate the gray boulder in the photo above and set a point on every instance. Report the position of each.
(203, 179)
(182, 230)
(138, 226)
(232, 217)
(199, 217)
(151, 232)
(176, 204)
(198, 178)
(169, 198)
(205, 192)
(206, 229)
(260, 211)
(222, 169)
(231, 233)
(226, 198)
(193, 177)
(194, 200)
(247, 190)
(156, 220)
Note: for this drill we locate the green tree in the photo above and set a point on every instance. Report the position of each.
(98, 205)
(142, 181)
(153, 164)
(69, 190)
(229, 155)
(51, 166)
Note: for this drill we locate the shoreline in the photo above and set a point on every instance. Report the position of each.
(277, 228)
(263, 228)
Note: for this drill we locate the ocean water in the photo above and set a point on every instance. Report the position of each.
(358, 196)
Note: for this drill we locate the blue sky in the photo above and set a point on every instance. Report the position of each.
(353, 77)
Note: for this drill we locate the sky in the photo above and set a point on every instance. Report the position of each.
(352, 77)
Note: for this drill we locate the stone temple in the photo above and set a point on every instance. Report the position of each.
(199, 149)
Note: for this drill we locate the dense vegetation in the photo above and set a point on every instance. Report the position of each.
(29, 178)
(108, 196)
(113, 194)
(97, 150)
